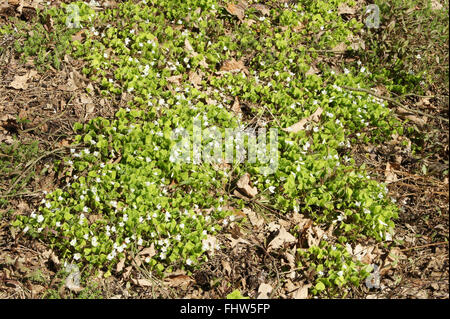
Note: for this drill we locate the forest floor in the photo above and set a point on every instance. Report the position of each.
(39, 107)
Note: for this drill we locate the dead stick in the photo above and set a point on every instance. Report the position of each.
(424, 246)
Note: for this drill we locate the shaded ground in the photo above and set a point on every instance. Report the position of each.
(43, 113)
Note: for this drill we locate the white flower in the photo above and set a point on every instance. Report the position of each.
(306, 146)
(272, 189)
(181, 225)
(73, 242)
(94, 241)
(77, 256)
(188, 261)
(340, 273)
(125, 217)
(40, 219)
(26, 229)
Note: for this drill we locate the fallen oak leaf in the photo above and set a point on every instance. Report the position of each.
(20, 81)
(283, 237)
(149, 251)
(238, 10)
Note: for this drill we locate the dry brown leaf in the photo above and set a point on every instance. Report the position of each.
(149, 251)
(79, 36)
(142, 282)
(341, 47)
(176, 79)
(264, 291)
(178, 280)
(120, 265)
(262, 8)
(237, 10)
(312, 70)
(243, 185)
(314, 235)
(345, 9)
(127, 272)
(389, 174)
(233, 66)
(301, 292)
(195, 79)
(236, 108)
(20, 81)
(253, 217)
(283, 237)
(226, 267)
(436, 5)
(70, 85)
(302, 123)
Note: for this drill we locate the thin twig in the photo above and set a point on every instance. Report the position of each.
(394, 101)
(30, 165)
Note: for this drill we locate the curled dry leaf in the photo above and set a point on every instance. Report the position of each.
(302, 123)
(244, 186)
